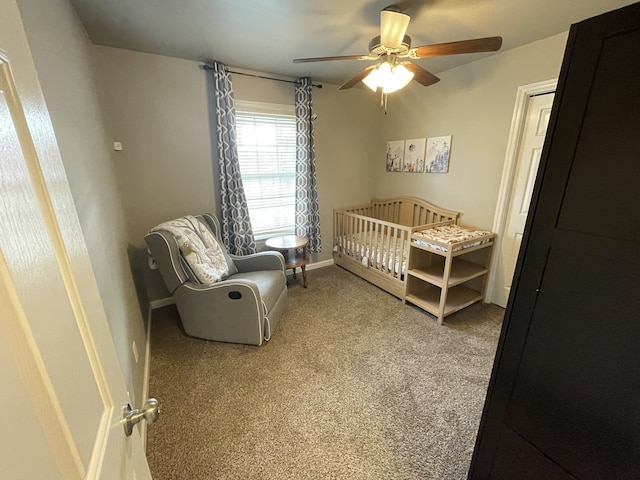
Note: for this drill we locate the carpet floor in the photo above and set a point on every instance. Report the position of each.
(352, 385)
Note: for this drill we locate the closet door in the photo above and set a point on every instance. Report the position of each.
(564, 397)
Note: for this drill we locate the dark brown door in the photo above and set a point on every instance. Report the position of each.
(564, 397)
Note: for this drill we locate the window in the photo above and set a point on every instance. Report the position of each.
(267, 154)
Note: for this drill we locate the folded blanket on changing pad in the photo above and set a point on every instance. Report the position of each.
(451, 234)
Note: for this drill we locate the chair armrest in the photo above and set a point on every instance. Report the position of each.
(269, 260)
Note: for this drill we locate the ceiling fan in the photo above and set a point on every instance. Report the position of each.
(392, 49)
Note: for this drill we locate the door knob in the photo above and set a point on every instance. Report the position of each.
(149, 412)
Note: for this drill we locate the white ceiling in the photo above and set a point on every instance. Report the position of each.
(265, 35)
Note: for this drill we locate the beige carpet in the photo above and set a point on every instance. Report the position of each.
(352, 385)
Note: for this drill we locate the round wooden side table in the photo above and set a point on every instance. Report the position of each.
(294, 250)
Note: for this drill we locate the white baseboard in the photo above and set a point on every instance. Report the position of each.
(325, 263)
(145, 378)
(311, 266)
(162, 302)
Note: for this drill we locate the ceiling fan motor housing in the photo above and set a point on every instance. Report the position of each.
(377, 48)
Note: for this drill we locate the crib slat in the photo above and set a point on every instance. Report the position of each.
(377, 248)
(337, 231)
(387, 252)
(370, 240)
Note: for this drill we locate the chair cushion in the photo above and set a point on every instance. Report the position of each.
(270, 284)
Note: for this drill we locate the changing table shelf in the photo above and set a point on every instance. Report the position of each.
(438, 278)
(461, 271)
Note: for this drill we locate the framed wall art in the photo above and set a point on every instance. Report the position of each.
(395, 155)
(414, 155)
(437, 154)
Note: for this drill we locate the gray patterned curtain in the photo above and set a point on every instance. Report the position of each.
(237, 233)
(307, 212)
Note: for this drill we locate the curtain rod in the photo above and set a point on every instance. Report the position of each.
(209, 67)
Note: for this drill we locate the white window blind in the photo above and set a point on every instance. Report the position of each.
(267, 154)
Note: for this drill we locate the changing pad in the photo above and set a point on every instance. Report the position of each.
(451, 235)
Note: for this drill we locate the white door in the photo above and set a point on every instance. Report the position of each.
(532, 140)
(62, 392)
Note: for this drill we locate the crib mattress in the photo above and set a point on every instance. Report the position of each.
(456, 237)
(372, 252)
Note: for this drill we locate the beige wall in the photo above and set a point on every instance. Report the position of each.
(345, 133)
(61, 51)
(159, 108)
(474, 103)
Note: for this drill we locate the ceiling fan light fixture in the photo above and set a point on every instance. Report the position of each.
(400, 78)
(385, 74)
(388, 78)
(371, 80)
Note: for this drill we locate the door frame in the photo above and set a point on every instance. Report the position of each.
(523, 94)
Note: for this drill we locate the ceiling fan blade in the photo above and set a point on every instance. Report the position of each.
(476, 45)
(421, 75)
(340, 57)
(358, 77)
(393, 26)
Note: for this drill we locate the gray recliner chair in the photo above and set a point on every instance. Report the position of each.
(244, 306)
